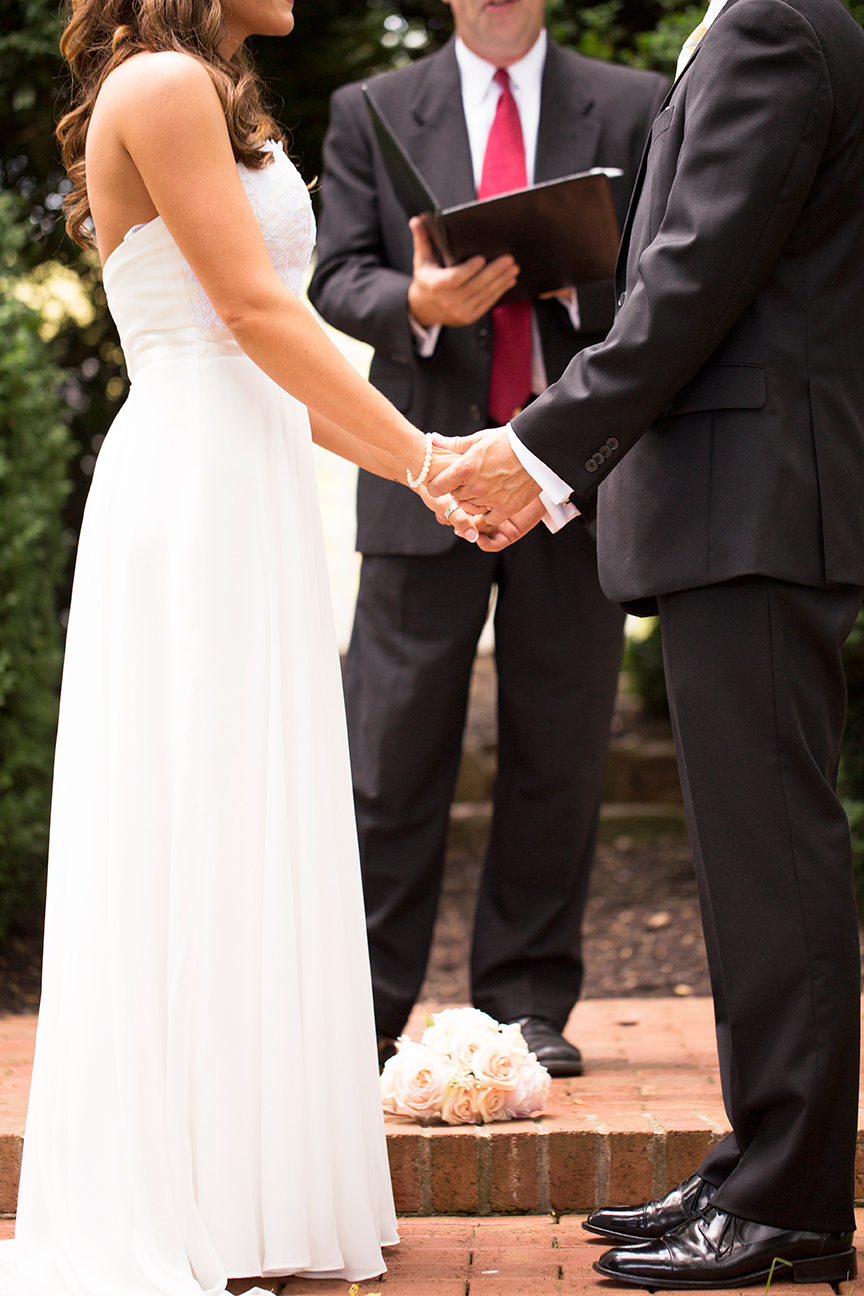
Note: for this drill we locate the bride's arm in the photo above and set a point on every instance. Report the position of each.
(325, 433)
(163, 110)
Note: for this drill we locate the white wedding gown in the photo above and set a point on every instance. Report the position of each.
(205, 1099)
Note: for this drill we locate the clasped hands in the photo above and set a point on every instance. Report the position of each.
(489, 496)
(476, 484)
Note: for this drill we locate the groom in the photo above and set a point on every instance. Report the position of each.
(723, 419)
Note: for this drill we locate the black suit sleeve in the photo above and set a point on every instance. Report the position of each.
(753, 123)
(353, 287)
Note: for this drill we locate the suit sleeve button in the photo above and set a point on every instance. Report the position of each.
(474, 413)
(612, 443)
(590, 465)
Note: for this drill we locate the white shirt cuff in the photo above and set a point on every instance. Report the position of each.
(425, 339)
(554, 492)
(549, 482)
(557, 515)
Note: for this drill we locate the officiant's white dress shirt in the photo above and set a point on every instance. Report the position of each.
(480, 95)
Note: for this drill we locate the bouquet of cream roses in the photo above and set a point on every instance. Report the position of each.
(467, 1069)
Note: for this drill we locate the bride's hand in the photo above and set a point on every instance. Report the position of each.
(451, 514)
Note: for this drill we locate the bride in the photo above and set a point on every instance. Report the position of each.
(205, 1099)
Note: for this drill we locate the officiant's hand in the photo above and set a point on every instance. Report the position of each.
(486, 478)
(454, 295)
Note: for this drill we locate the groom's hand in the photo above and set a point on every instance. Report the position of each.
(486, 478)
(511, 529)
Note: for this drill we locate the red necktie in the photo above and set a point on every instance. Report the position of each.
(503, 170)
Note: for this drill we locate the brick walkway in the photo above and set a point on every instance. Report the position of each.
(532, 1255)
(527, 1256)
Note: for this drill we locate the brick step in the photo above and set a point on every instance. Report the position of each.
(641, 1118)
(642, 821)
(638, 771)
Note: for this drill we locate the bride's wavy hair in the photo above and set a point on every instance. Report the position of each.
(102, 34)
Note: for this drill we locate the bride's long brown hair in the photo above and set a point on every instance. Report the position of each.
(102, 34)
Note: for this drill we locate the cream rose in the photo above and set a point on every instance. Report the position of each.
(439, 1036)
(529, 1096)
(490, 1103)
(514, 1040)
(412, 1082)
(468, 1042)
(449, 1023)
(494, 1063)
(388, 1074)
(457, 1105)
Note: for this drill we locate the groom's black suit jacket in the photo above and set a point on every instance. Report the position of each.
(724, 414)
(592, 114)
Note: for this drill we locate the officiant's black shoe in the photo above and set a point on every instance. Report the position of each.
(654, 1218)
(714, 1250)
(386, 1049)
(550, 1047)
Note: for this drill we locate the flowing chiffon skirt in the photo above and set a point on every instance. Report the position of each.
(205, 1096)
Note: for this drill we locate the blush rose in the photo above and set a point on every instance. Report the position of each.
(412, 1082)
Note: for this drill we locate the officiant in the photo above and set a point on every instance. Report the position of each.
(500, 106)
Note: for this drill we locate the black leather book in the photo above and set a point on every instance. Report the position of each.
(561, 233)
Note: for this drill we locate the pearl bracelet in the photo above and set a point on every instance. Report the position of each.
(414, 482)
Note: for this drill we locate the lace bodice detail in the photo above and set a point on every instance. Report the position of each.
(282, 207)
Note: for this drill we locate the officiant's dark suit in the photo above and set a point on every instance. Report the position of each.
(724, 417)
(424, 595)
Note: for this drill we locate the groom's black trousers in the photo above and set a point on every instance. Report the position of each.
(758, 702)
(558, 650)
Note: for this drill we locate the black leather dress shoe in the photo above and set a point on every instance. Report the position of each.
(550, 1047)
(714, 1250)
(641, 1223)
(386, 1049)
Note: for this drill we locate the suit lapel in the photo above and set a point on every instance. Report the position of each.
(567, 135)
(435, 134)
(624, 245)
(624, 248)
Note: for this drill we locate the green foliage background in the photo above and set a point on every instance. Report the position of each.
(34, 453)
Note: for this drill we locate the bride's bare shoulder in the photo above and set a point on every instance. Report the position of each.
(161, 81)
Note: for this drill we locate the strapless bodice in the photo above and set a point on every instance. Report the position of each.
(160, 309)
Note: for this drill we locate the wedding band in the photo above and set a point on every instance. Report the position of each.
(451, 509)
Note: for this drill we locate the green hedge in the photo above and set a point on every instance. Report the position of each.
(34, 452)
